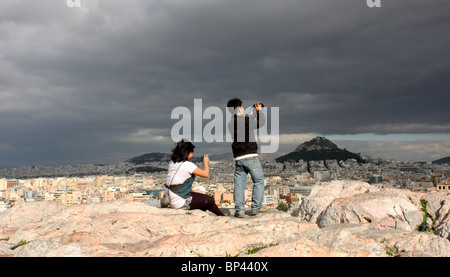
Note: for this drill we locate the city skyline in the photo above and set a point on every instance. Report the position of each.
(85, 185)
(97, 84)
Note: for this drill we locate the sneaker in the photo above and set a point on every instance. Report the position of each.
(252, 213)
(239, 215)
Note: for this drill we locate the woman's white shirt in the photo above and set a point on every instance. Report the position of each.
(184, 172)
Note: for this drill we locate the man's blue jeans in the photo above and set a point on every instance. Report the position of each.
(253, 166)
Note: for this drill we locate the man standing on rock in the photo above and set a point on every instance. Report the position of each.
(245, 152)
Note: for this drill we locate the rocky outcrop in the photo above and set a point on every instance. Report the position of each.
(322, 195)
(135, 229)
(338, 219)
(383, 209)
(359, 203)
(387, 211)
(438, 205)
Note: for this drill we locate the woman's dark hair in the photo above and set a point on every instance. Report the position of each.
(234, 103)
(181, 152)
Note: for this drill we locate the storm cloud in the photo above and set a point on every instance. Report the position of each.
(97, 84)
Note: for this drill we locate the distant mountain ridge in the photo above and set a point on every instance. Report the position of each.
(445, 160)
(150, 157)
(317, 143)
(165, 157)
(319, 149)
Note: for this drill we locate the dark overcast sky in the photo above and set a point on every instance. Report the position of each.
(97, 84)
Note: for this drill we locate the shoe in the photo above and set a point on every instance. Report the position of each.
(238, 215)
(252, 213)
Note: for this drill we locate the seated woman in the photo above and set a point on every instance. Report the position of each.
(180, 177)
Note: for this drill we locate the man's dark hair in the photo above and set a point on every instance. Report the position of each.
(234, 103)
(181, 152)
